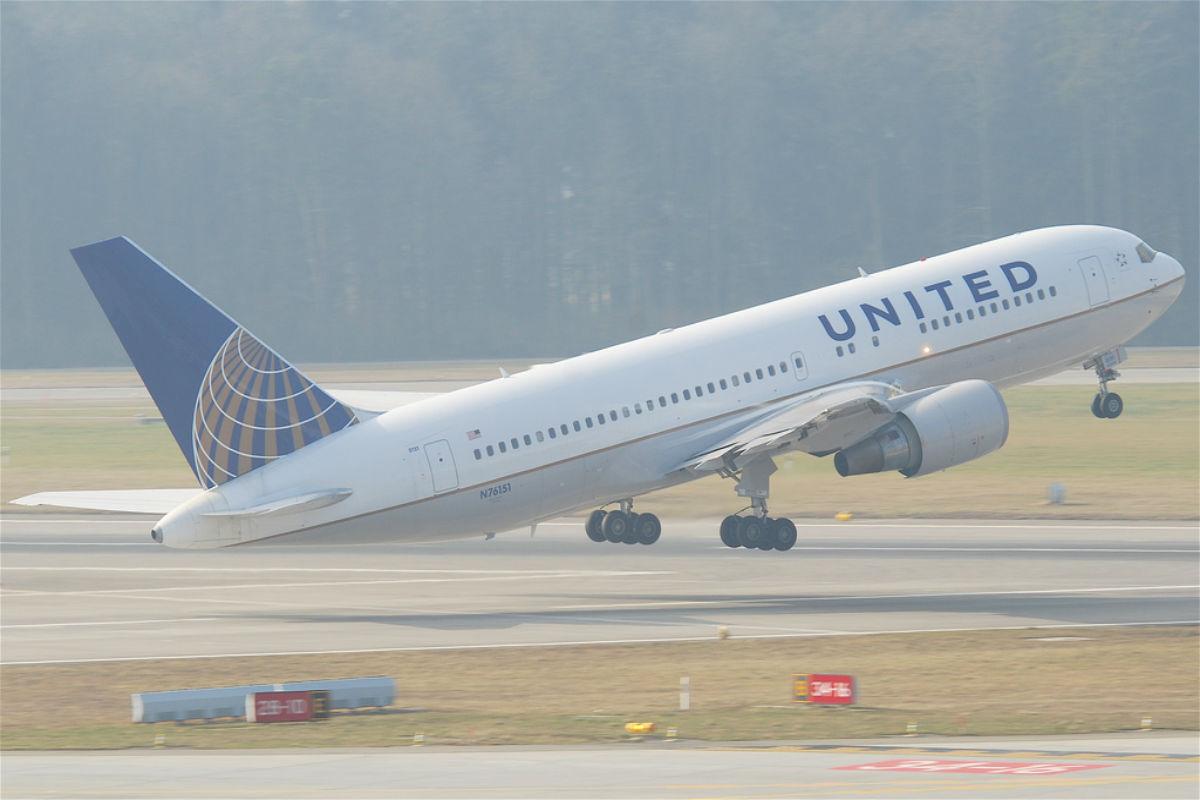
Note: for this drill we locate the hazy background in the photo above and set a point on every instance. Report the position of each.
(380, 181)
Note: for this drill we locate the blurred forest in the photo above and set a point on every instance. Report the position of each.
(379, 181)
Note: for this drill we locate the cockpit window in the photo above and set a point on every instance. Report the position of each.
(1145, 252)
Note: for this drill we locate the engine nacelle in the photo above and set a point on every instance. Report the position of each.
(951, 426)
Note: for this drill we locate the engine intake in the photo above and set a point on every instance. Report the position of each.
(951, 426)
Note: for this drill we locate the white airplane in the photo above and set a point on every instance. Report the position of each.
(896, 370)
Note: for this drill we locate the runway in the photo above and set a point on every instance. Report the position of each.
(93, 588)
(1086, 767)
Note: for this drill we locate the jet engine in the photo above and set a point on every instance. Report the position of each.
(945, 428)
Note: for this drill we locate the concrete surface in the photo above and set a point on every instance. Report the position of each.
(647, 770)
(96, 588)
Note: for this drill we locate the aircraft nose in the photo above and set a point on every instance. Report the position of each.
(1174, 269)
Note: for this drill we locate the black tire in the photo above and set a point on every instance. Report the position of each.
(729, 531)
(1112, 405)
(616, 526)
(751, 533)
(785, 534)
(630, 536)
(1096, 410)
(647, 528)
(595, 526)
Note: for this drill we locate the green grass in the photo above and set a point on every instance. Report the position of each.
(976, 683)
(1145, 465)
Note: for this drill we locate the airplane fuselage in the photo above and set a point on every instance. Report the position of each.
(618, 422)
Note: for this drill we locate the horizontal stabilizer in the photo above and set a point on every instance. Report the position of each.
(288, 505)
(132, 501)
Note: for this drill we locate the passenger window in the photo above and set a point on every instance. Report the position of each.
(840, 351)
(924, 327)
(650, 404)
(983, 311)
(1041, 294)
(1017, 300)
(1053, 292)
(576, 426)
(946, 321)
(687, 395)
(553, 433)
(478, 455)
(674, 397)
(1029, 297)
(503, 449)
(625, 411)
(600, 418)
(662, 401)
(711, 388)
(796, 360)
(735, 380)
(587, 421)
(746, 377)
(699, 391)
(995, 308)
(875, 341)
(528, 441)
(783, 366)
(958, 317)
(612, 416)
(724, 384)
(970, 313)
(933, 323)
(515, 444)
(490, 450)
(540, 436)
(771, 370)
(637, 408)
(850, 347)
(563, 429)
(758, 372)
(1005, 304)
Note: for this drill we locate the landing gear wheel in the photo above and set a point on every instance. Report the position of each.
(750, 532)
(647, 529)
(630, 536)
(785, 534)
(616, 526)
(729, 531)
(1097, 411)
(595, 526)
(1112, 405)
(767, 540)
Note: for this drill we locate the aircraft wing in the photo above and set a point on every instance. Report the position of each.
(132, 501)
(819, 422)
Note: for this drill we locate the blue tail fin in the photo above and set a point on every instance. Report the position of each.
(231, 402)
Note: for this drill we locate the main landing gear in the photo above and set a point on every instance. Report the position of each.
(623, 526)
(757, 531)
(1106, 404)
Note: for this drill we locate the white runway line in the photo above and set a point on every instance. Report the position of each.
(114, 622)
(591, 642)
(532, 573)
(79, 544)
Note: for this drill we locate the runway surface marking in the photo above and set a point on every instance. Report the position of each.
(960, 751)
(937, 549)
(174, 621)
(531, 573)
(911, 786)
(584, 643)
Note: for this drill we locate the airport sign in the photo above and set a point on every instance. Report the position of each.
(823, 689)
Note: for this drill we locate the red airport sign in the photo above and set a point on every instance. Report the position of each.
(823, 689)
(287, 706)
(974, 767)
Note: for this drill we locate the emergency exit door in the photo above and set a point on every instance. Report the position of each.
(441, 466)
(1095, 280)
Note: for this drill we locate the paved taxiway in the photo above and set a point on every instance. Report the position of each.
(1109, 767)
(96, 588)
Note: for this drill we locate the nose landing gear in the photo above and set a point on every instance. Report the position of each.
(1106, 404)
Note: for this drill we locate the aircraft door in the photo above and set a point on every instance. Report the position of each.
(1094, 279)
(799, 366)
(441, 466)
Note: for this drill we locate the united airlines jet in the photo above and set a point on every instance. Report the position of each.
(892, 371)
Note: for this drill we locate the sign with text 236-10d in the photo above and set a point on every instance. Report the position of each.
(823, 689)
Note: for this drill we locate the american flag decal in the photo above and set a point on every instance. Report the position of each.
(472, 435)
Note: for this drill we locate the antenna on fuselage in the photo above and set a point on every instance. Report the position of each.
(862, 273)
